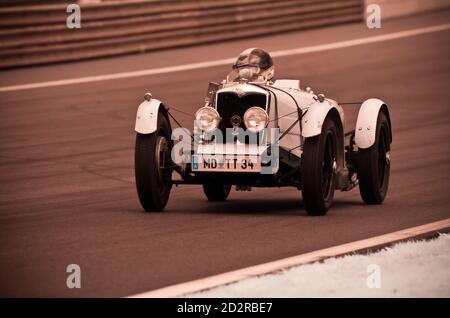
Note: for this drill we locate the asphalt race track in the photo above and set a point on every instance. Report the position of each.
(67, 180)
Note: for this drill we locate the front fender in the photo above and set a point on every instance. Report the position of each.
(147, 116)
(313, 120)
(366, 124)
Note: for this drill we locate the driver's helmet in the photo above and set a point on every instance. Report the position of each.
(254, 64)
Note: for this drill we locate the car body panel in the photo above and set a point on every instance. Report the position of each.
(287, 102)
(287, 83)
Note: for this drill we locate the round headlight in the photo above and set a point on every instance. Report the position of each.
(256, 119)
(207, 118)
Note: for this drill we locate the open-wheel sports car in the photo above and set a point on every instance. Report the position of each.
(255, 131)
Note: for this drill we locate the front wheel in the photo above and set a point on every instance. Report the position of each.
(374, 165)
(318, 168)
(152, 171)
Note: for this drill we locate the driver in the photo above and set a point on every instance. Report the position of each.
(254, 65)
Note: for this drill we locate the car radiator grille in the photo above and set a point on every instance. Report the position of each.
(230, 104)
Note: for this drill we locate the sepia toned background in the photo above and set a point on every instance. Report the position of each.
(68, 101)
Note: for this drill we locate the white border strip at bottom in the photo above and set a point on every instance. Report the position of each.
(240, 274)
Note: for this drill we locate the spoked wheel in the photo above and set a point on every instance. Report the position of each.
(216, 192)
(152, 167)
(318, 169)
(374, 165)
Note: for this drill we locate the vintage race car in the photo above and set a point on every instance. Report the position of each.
(258, 132)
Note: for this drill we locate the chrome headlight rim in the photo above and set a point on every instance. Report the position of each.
(214, 112)
(263, 112)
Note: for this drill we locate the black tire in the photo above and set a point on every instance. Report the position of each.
(318, 169)
(153, 184)
(374, 164)
(216, 192)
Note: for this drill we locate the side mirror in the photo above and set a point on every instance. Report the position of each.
(211, 93)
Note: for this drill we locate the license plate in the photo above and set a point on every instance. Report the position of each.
(221, 163)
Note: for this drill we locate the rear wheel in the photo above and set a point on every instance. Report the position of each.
(152, 158)
(374, 165)
(318, 168)
(216, 192)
